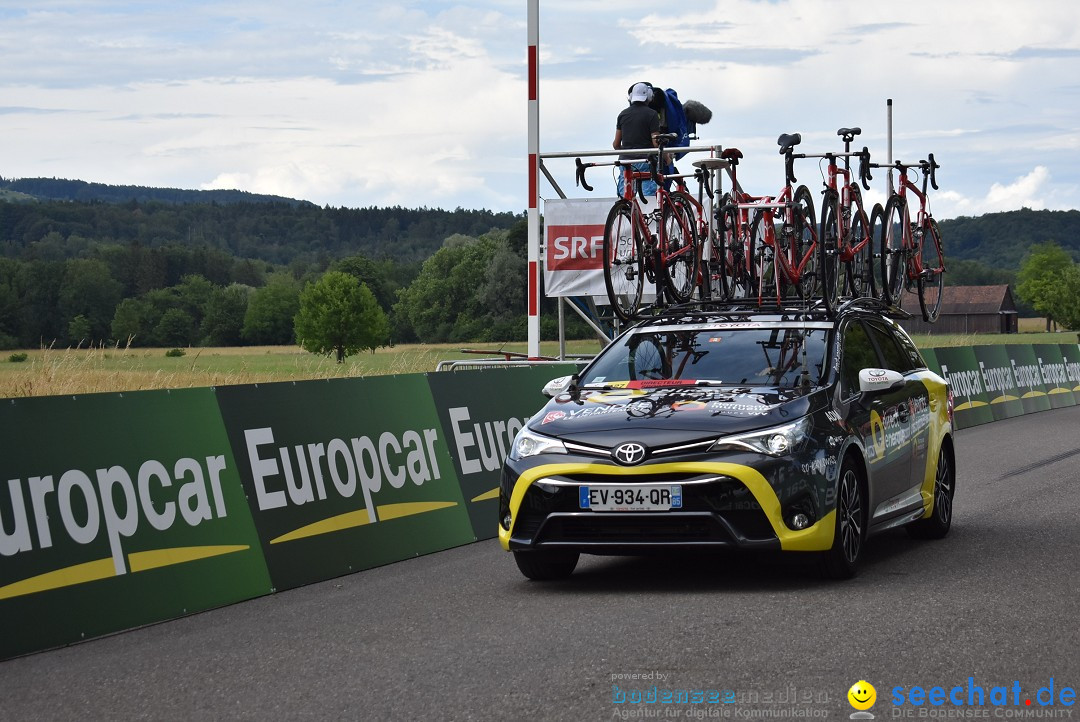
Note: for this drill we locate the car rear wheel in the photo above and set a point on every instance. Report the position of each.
(937, 525)
(546, 564)
(841, 562)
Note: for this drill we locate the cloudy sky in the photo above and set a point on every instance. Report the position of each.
(356, 103)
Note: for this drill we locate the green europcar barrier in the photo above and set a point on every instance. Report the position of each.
(119, 510)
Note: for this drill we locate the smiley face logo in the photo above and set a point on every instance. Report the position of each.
(862, 695)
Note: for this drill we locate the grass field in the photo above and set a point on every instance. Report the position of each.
(52, 372)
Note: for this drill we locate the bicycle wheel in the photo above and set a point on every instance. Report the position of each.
(725, 232)
(829, 251)
(858, 276)
(739, 257)
(877, 219)
(769, 282)
(931, 281)
(893, 266)
(624, 261)
(680, 251)
(806, 232)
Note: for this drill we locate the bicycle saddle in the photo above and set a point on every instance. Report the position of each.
(849, 131)
(665, 139)
(732, 154)
(788, 141)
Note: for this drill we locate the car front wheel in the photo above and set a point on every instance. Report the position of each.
(841, 561)
(937, 525)
(546, 564)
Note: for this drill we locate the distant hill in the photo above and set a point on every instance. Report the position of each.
(62, 189)
(1000, 240)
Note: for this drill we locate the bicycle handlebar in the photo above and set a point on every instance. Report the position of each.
(933, 166)
(864, 168)
(580, 177)
(702, 177)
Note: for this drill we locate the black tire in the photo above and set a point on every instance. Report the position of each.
(545, 564)
(842, 560)
(765, 274)
(726, 234)
(624, 261)
(893, 262)
(829, 251)
(937, 525)
(740, 259)
(877, 220)
(683, 251)
(859, 271)
(932, 279)
(806, 234)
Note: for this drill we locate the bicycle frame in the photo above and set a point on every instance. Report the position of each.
(912, 261)
(792, 271)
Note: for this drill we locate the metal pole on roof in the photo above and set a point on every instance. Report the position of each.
(888, 136)
(534, 179)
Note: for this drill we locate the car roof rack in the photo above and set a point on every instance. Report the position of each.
(793, 309)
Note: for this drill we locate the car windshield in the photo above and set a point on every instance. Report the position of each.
(776, 356)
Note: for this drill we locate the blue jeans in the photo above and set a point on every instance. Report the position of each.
(648, 186)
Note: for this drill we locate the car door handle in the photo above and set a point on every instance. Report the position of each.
(902, 412)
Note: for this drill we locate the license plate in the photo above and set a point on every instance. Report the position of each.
(637, 497)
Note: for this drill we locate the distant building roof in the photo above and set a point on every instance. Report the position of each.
(964, 300)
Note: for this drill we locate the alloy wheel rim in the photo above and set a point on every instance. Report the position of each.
(850, 516)
(943, 490)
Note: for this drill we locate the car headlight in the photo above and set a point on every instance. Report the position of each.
(777, 441)
(527, 444)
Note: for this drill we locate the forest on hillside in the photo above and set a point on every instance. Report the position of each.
(85, 263)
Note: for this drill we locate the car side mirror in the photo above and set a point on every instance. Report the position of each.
(875, 381)
(556, 386)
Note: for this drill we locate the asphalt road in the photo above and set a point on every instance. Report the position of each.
(461, 635)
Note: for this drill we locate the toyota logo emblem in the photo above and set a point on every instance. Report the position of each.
(631, 453)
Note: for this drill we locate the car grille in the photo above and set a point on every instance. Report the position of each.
(716, 510)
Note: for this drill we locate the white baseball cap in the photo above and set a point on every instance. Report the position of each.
(641, 92)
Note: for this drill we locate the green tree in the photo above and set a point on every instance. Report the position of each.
(133, 322)
(80, 330)
(269, 316)
(441, 304)
(339, 314)
(1043, 280)
(224, 321)
(90, 291)
(176, 328)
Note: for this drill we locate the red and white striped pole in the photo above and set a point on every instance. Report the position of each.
(534, 178)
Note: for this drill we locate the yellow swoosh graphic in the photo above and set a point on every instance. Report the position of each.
(970, 405)
(1003, 399)
(155, 558)
(352, 519)
(396, 511)
(334, 523)
(105, 568)
(493, 494)
(66, 577)
(1033, 394)
(1060, 391)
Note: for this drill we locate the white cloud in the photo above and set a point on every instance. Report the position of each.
(1027, 191)
(423, 102)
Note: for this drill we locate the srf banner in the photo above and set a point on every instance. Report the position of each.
(574, 246)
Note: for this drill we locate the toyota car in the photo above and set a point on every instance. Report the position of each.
(788, 431)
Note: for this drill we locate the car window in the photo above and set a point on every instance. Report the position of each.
(785, 357)
(907, 346)
(858, 353)
(895, 358)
